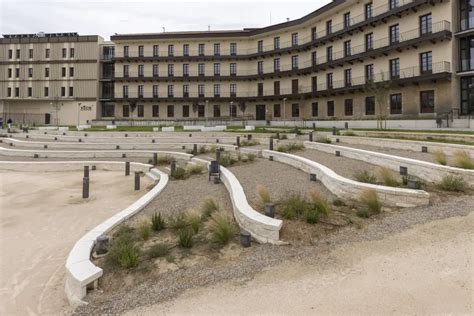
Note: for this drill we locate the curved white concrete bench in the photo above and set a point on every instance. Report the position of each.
(84, 154)
(348, 189)
(424, 170)
(421, 136)
(413, 145)
(263, 229)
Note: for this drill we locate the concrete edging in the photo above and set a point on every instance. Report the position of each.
(348, 189)
(424, 170)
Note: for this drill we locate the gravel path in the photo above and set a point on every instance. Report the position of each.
(258, 257)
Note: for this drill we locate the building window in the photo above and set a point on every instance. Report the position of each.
(467, 53)
(30, 72)
(295, 110)
(9, 92)
(170, 91)
(17, 54)
(466, 15)
(201, 69)
(71, 52)
(125, 91)
(125, 110)
(427, 102)
(17, 72)
(217, 69)
(63, 91)
(201, 49)
(170, 70)
(71, 91)
(217, 90)
(140, 91)
(30, 91)
(185, 110)
(217, 110)
(233, 49)
(348, 77)
(201, 91)
(369, 41)
(141, 51)
(347, 20)
(347, 49)
(348, 107)
(394, 34)
(217, 49)
(294, 39)
(396, 103)
(186, 91)
(46, 91)
(46, 53)
(126, 71)
(329, 80)
(125, 51)
(155, 91)
(63, 71)
(233, 90)
(314, 84)
(64, 52)
(314, 109)
(170, 50)
(395, 68)
(155, 110)
(17, 92)
(185, 50)
(108, 110)
(329, 27)
(330, 108)
(141, 70)
(155, 70)
(329, 54)
(294, 62)
(170, 111)
(156, 50)
(276, 110)
(71, 71)
(314, 58)
(368, 11)
(276, 64)
(185, 70)
(276, 87)
(393, 4)
(294, 86)
(233, 69)
(201, 110)
(10, 72)
(467, 95)
(426, 63)
(314, 34)
(370, 106)
(30, 53)
(260, 67)
(426, 24)
(276, 43)
(10, 54)
(140, 110)
(260, 89)
(369, 73)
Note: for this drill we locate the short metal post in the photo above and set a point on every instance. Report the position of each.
(278, 135)
(270, 210)
(245, 238)
(271, 144)
(153, 141)
(127, 168)
(346, 125)
(314, 126)
(85, 187)
(334, 132)
(137, 180)
(102, 244)
(249, 137)
(218, 155)
(173, 166)
(155, 159)
(86, 171)
(238, 141)
(424, 149)
(338, 153)
(195, 149)
(310, 136)
(117, 147)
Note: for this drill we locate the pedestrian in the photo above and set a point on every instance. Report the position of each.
(9, 122)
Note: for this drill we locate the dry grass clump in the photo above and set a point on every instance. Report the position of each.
(263, 194)
(164, 159)
(249, 143)
(158, 250)
(323, 139)
(288, 148)
(440, 157)
(144, 229)
(462, 159)
(186, 237)
(452, 184)
(194, 169)
(222, 228)
(365, 176)
(194, 220)
(157, 222)
(311, 210)
(321, 203)
(123, 252)
(208, 207)
(388, 177)
(370, 199)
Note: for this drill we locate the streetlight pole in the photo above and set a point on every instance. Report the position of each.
(78, 115)
(284, 112)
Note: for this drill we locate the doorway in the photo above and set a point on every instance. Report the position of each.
(260, 112)
(47, 119)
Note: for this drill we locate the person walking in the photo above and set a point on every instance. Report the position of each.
(9, 122)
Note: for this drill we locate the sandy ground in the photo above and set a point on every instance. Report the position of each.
(427, 269)
(42, 215)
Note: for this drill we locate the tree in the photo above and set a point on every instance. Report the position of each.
(380, 91)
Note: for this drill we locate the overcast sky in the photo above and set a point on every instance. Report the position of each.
(106, 17)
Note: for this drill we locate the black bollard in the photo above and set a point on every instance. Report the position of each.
(85, 187)
(86, 171)
(80, 140)
(137, 180)
(102, 244)
(153, 141)
(270, 210)
(278, 135)
(245, 238)
(155, 159)
(249, 137)
(334, 132)
(271, 143)
(218, 155)
(346, 125)
(310, 136)
(127, 168)
(238, 141)
(173, 166)
(117, 147)
(314, 126)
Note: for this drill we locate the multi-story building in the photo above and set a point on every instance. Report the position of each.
(348, 59)
(49, 78)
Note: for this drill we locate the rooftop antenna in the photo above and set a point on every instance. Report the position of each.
(164, 29)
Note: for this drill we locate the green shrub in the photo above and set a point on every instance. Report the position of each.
(178, 221)
(195, 169)
(363, 213)
(440, 157)
(248, 143)
(164, 160)
(203, 149)
(263, 194)
(283, 136)
(349, 133)
(179, 173)
(311, 216)
(251, 157)
(158, 250)
(193, 219)
(227, 160)
(462, 159)
(208, 207)
(452, 183)
(388, 177)
(123, 251)
(144, 230)
(295, 205)
(365, 176)
(185, 237)
(370, 199)
(157, 222)
(320, 203)
(221, 228)
(288, 148)
(323, 139)
(338, 202)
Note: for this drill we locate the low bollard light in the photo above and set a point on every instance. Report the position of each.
(85, 187)
(195, 149)
(245, 238)
(173, 166)
(314, 126)
(127, 168)
(238, 141)
(338, 153)
(270, 210)
(271, 144)
(155, 159)
(312, 177)
(424, 149)
(137, 180)
(310, 136)
(334, 131)
(102, 244)
(86, 171)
